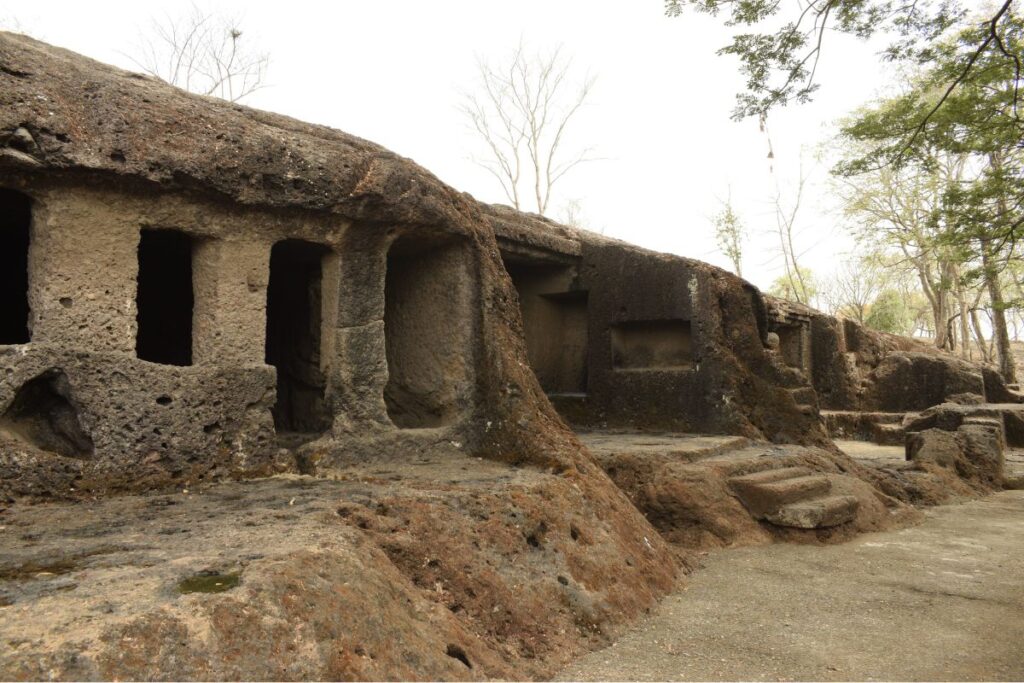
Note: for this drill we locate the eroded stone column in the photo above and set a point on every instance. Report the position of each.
(354, 349)
(229, 280)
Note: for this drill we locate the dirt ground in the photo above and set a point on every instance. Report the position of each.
(440, 567)
(939, 601)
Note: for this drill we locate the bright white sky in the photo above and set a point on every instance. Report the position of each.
(392, 71)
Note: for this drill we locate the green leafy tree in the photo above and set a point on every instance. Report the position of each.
(889, 313)
(897, 214)
(779, 53)
(978, 213)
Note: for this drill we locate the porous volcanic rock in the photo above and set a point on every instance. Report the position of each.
(434, 570)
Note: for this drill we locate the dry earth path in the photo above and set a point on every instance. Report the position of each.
(939, 601)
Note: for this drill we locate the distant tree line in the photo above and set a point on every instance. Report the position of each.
(931, 177)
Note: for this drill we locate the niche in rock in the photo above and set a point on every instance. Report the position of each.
(652, 345)
(164, 297)
(428, 324)
(44, 415)
(555, 323)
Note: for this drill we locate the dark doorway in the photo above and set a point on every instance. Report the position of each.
(293, 336)
(15, 229)
(555, 322)
(165, 297)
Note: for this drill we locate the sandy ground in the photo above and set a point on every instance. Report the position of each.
(940, 601)
(872, 453)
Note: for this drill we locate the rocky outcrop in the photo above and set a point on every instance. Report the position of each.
(448, 523)
(660, 342)
(458, 528)
(905, 381)
(707, 492)
(973, 451)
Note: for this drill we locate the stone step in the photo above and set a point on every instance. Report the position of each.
(747, 460)
(987, 420)
(764, 497)
(816, 513)
(768, 476)
(856, 415)
(806, 400)
(887, 434)
(1014, 481)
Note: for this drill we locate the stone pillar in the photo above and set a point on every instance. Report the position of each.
(229, 281)
(354, 349)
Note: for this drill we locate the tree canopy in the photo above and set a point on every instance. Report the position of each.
(779, 59)
(940, 166)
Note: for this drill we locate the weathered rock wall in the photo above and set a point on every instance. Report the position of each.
(670, 343)
(856, 368)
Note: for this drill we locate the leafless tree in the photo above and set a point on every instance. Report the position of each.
(785, 226)
(14, 24)
(854, 286)
(202, 52)
(522, 110)
(572, 214)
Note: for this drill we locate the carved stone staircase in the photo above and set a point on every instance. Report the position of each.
(793, 497)
(806, 399)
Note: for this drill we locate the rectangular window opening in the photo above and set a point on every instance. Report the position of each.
(15, 235)
(165, 298)
(652, 345)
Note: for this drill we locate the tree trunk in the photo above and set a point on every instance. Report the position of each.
(965, 335)
(942, 336)
(1007, 366)
(982, 345)
(938, 305)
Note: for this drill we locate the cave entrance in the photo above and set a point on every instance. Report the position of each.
(555, 323)
(15, 234)
(294, 318)
(164, 297)
(427, 328)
